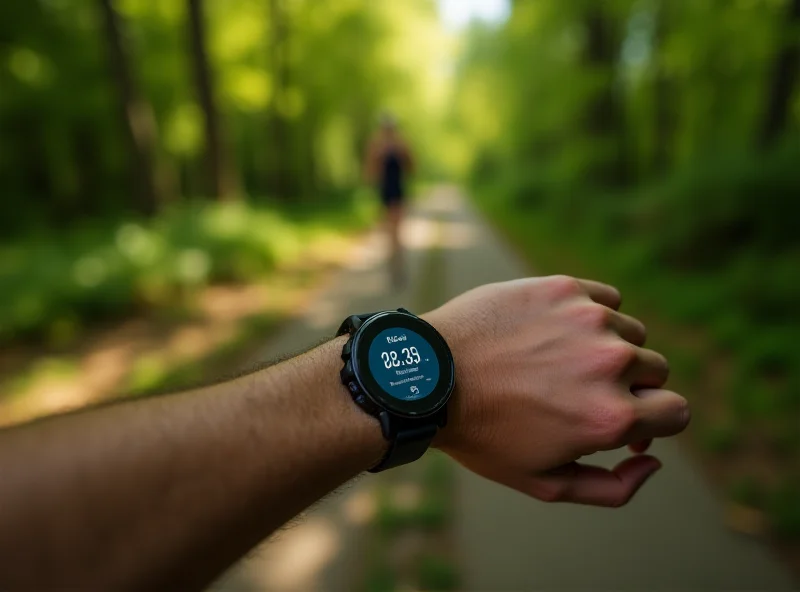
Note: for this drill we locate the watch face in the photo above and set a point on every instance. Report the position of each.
(403, 364)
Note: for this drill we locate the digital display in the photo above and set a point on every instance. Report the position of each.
(404, 364)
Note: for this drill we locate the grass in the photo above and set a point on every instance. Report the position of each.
(747, 491)
(294, 243)
(52, 286)
(380, 578)
(721, 438)
(427, 520)
(153, 374)
(784, 510)
(437, 573)
(46, 369)
(430, 515)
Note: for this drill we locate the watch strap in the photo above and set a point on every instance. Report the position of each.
(406, 445)
(352, 323)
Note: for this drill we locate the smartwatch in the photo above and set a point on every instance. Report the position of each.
(399, 369)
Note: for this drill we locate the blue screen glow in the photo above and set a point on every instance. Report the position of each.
(403, 364)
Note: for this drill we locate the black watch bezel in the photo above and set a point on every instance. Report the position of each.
(362, 340)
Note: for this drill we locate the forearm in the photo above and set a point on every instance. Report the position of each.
(169, 491)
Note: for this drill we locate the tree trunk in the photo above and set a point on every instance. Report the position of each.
(281, 150)
(84, 147)
(222, 182)
(783, 81)
(136, 115)
(663, 99)
(603, 116)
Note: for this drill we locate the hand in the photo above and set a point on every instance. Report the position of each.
(548, 371)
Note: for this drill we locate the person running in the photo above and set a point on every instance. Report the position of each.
(388, 164)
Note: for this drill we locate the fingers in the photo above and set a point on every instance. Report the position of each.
(659, 413)
(640, 447)
(630, 329)
(602, 293)
(595, 486)
(649, 370)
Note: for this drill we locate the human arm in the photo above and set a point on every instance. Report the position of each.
(370, 169)
(167, 492)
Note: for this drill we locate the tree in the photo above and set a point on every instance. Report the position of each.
(280, 76)
(664, 93)
(604, 121)
(222, 180)
(136, 116)
(783, 81)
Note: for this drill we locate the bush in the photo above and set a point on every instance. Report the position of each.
(705, 216)
(50, 286)
(722, 438)
(748, 491)
(784, 510)
(437, 574)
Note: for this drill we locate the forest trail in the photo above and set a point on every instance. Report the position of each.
(670, 537)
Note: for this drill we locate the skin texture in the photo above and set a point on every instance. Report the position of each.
(556, 351)
(167, 492)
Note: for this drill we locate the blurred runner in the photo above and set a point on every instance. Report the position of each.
(388, 164)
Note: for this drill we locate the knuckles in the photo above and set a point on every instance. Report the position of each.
(612, 358)
(592, 315)
(611, 424)
(562, 287)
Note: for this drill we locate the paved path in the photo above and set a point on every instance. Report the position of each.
(321, 551)
(671, 537)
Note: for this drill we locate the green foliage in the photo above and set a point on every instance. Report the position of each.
(654, 145)
(437, 574)
(430, 514)
(380, 578)
(43, 370)
(152, 374)
(784, 510)
(298, 87)
(437, 472)
(785, 438)
(748, 491)
(54, 284)
(722, 437)
(707, 215)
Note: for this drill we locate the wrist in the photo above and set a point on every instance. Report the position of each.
(366, 429)
(332, 416)
(457, 416)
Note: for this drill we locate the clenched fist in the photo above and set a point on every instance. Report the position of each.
(548, 371)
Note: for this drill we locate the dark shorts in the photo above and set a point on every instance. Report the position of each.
(391, 200)
(391, 196)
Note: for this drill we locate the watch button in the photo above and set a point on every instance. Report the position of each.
(353, 387)
(346, 351)
(346, 373)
